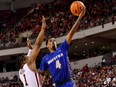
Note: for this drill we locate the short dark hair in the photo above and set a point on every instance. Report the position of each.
(20, 60)
(47, 40)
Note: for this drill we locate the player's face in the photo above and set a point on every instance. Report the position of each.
(28, 42)
(25, 59)
(52, 44)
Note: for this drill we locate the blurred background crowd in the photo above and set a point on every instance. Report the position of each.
(16, 26)
(26, 22)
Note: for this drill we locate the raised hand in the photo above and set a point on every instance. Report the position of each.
(83, 12)
(43, 22)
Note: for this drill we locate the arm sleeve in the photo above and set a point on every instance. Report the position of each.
(43, 65)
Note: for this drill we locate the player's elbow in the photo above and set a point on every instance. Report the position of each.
(69, 38)
(38, 45)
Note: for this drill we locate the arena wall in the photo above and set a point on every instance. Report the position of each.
(90, 61)
(8, 74)
(75, 65)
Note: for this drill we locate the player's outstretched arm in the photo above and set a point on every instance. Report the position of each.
(75, 27)
(37, 45)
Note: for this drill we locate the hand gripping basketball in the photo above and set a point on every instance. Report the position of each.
(77, 8)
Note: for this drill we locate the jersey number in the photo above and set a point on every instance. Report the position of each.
(25, 80)
(58, 64)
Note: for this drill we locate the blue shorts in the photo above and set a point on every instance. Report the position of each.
(67, 84)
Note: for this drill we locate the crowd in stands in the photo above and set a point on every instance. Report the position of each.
(26, 22)
(97, 76)
(16, 26)
(8, 20)
(12, 81)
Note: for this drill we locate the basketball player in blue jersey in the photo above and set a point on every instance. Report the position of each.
(57, 60)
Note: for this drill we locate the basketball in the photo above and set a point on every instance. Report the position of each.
(76, 8)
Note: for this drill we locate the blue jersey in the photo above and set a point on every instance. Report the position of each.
(57, 63)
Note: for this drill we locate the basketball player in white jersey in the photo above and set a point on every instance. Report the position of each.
(28, 73)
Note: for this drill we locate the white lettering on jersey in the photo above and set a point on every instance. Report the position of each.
(22, 71)
(55, 58)
(28, 77)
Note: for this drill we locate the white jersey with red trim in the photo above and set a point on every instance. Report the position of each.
(28, 77)
(29, 52)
